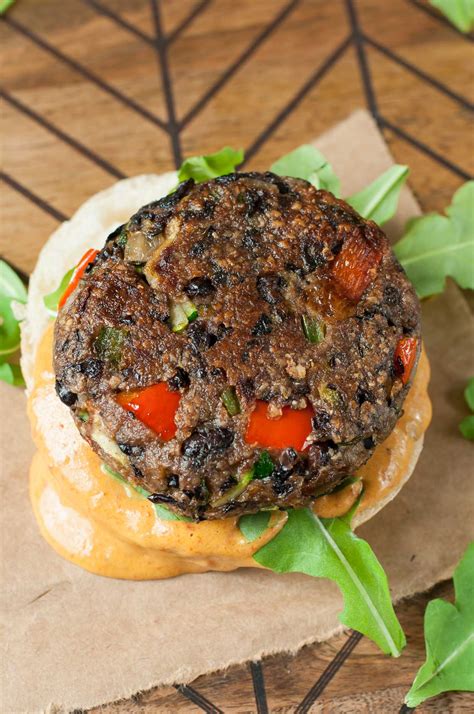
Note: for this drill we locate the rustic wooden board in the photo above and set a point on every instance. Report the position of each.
(94, 90)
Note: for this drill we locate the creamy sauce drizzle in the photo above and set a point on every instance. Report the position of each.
(92, 520)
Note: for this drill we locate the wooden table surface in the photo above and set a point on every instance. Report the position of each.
(98, 90)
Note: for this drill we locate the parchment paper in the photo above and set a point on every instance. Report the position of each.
(75, 640)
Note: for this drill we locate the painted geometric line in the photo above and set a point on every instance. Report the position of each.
(40, 202)
(232, 69)
(76, 66)
(73, 143)
(313, 80)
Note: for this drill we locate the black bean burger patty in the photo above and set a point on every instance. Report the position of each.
(295, 307)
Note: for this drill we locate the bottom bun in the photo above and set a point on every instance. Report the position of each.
(109, 528)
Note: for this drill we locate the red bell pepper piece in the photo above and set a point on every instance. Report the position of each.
(404, 358)
(354, 268)
(292, 428)
(87, 258)
(155, 406)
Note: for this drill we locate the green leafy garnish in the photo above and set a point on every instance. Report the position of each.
(378, 201)
(327, 548)
(263, 466)
(467, 425)
(4, 5)
(469, 394)
(435, 247)
(11, 374)
(51, 301)
(11, 290)
(306, 162)
(254, 525)
(449, 636)
(459, 12)
(203, 168)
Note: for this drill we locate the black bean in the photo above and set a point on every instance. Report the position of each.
(223, 330)
(250, 239)
(198, 249)
(179, 381)
(363, 395)
(130, 449)
(204, 441)
(68, 398)
(247, 387)
(220, 276)
(391, 295)
(91, 367)
(201, 339)
(288, 458)
(312, 255)
(293, 268)
(321, 420)
(173, 480)
(299, 389)
(200, 372)
(282, 487)
(136, 471)
(159, 315)
(269, 287)
(228, 483)
(255, 202)
(263, 326)
(337, 247)
(199, 287)
(161, 498)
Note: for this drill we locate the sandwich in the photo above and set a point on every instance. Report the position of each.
(226, 354)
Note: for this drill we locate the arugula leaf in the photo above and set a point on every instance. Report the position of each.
(203, 168)
(466, 427)
(51, 301)
(467, 424)
(11, 284)
(11, 290)
(4, 5)
(327, 548)
(435, 247)
(254, 525)
(379, 200)
(11, 374)
(306, 162)
(459, 12)
(469, 394)
(449, 636)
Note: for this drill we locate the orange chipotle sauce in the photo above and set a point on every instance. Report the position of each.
(108, 528)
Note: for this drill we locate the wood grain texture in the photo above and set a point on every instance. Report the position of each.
(87, 99)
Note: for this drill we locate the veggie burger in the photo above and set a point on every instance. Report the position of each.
(245, 344)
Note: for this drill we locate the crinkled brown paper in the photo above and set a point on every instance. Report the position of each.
(75, 640)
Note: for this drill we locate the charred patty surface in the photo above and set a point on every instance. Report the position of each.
(300, 307)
